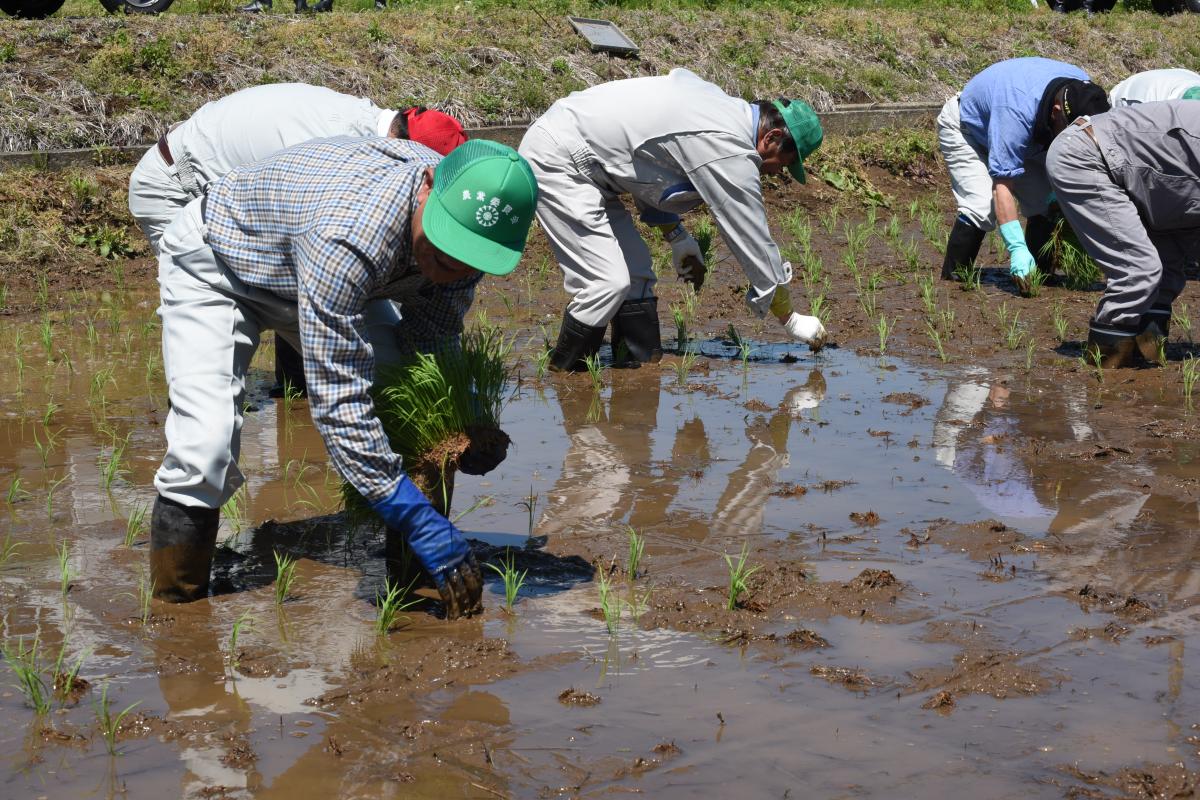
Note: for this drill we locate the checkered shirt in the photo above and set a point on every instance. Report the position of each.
(326, 223)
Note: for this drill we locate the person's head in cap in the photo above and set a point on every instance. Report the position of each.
(438, 131)
(1074, 99)
(473, 212)
(788, 132)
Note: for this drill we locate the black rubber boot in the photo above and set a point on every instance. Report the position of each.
(1153, 329)
(1114, 347)
(289, 369)
(323, 6)
(636, 335)
(182, 541)
(302, 6)
(576, 342)
(961, 248)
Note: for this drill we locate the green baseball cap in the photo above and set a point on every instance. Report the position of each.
(806, 132)
(481, 206)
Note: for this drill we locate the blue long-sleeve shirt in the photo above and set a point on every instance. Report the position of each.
(999, 109)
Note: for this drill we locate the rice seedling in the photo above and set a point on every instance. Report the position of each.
(594, 370)
(829, 219)
(43, 289)
(739, 574)
(1095, 359)
(145, 596)
(868, 294)
(744, 347)
(435, 405)
(681, 326)
(1182, 319)
(944, 319)
(92, 336)
(8, 548)
(65, 574)
(933, 228)
(234, 511)
(3, 296)
(290, 395)
(814, 271)
(1014, 333)
(47, 334)
(50, 490)
(1069, 257)
(135, 523)
(513, 580)
(683, 367)
(113, 467)
(926, 286)
(935, 336)
(1030, 349)
(799, 226)
(637, 547)
(892, 230)
(44, 449)
(15, 493)
(392, 603)
(1060, 322)
(913, 208)
(529, 503)
(543, 361)
(1031, 285)
(885, 331)
(705, 234)
(109, 723)
(1004, 314)
(242, 624)
(1160, 349)
(285, 576)
(26, 664)
(970, 277)
(610, 603)
(1188, 368)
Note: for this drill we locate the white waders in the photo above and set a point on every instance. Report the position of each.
(211, 324)
(158, 191)
(604, 259)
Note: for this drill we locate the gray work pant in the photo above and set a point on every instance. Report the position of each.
(603, 258)
(1139, 223)
(211, 324)
(969, 178)
(158, 191)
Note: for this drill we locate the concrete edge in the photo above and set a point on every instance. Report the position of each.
(842, 121)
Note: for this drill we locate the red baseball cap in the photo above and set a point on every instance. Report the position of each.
(435, 130)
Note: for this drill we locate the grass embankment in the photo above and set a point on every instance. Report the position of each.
(73, 82)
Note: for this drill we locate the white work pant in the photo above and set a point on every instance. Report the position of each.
(969, 178)
(602, 256)
(211, 324)
(156, 195)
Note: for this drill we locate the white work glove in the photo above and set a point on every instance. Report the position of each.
(686, 256)
(806, 329)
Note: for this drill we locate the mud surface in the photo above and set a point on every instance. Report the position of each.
(966, 576)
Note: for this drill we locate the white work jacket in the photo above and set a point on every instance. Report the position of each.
(1152, 86)
(252, 124)
(674, 142)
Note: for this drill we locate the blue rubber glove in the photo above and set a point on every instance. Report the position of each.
(438, 545)
(1020, 260)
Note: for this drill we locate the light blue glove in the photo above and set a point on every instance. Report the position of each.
(438, 545)
(1020, 260)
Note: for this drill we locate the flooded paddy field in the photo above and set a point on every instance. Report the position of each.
(975, 571)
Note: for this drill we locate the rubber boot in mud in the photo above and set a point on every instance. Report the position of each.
(182, 541)
(576, 342)
(1110, 347)
(636, 335)
(962, 248)
(289, 369)
(404, 571)
(1153, 332)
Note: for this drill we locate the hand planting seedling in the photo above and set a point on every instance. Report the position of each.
(739, 574)
(109, 723)
(513, 580)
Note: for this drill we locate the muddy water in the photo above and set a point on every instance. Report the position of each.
(1033, 564)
